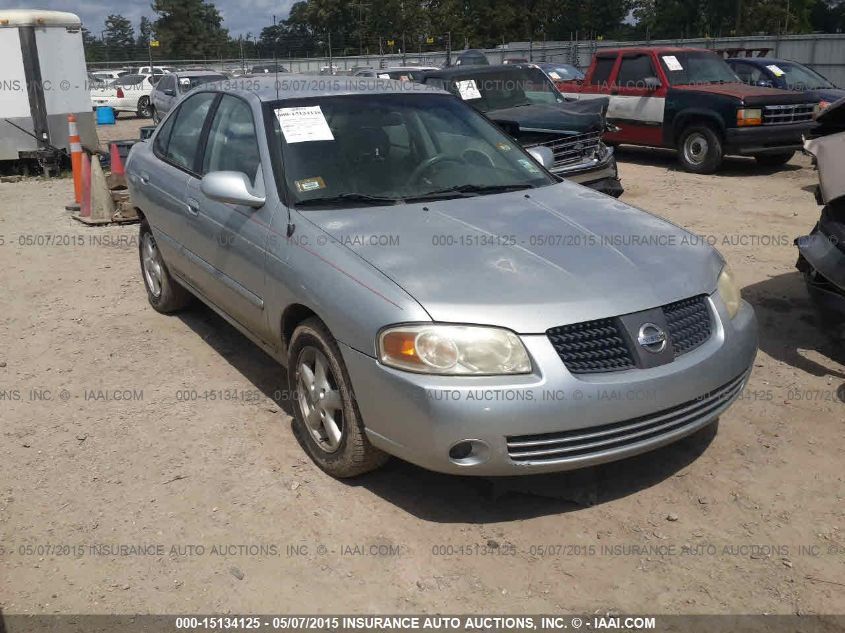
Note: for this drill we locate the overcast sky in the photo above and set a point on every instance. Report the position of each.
(238, 16)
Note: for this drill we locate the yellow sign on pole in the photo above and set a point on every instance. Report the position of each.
(391, 42)
(429, 40)
(155, 43)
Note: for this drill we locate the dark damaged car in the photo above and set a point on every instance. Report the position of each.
(522, 100)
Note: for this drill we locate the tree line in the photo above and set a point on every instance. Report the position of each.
(194, 29)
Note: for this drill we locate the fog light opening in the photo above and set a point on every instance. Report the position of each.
(469, 452)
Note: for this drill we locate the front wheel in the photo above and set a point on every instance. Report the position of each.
(774, 160)
(144, 108)
(326, 416)
(700, 149)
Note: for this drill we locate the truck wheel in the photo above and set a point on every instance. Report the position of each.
(326, 416)
(164, 293)
(700, 149)
(144, 108)
(774, 160)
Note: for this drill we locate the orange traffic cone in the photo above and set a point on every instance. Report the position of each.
(75, 146)
(85, 178)
(117, 178)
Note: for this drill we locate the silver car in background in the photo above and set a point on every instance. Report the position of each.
(433, 291)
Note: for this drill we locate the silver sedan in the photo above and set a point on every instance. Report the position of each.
(433, 291)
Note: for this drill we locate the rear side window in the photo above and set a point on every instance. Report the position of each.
(601, 73)
(633, 71)
(183, 144)
(232, 144)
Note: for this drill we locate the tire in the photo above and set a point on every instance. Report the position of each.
(163, 292)
(145, 109)
(326, 416)
(700, 149)
(774, 160)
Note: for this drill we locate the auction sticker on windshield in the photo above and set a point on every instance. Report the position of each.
(468, 89)
(776, 70)
(672, 62)
(302, 124)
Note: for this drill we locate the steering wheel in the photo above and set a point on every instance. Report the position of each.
(429, 163)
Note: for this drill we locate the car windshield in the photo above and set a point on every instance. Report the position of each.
(564, 71)
(377, 149)
(696, 67)
(506, 88)
(798, 77)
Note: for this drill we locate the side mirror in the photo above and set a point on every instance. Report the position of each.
(652, 83)
(169, 92)
(231, 187)
(543, 155)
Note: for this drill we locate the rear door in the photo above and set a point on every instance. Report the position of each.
(637, 101)
(176, 148)
(231, 239)
(159, 97)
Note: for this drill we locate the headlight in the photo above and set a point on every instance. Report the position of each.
(729, 291)
(749, 116)
(453, 350)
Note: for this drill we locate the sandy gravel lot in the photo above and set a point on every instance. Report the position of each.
(150, 503)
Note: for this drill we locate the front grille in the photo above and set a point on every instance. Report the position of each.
(590, 347)
(600, 346)
(573, 149)
(584, 442)
(783, 114)
(689, 324)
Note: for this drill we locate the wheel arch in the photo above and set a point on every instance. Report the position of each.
(292, 316)
(695, 116)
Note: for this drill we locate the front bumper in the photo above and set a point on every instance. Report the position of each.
(766, 139)
(419, 418)
(599, 174)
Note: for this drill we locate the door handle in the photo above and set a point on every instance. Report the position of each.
(193, 206)
(144, 178)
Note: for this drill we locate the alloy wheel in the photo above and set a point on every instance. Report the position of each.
(151, 263)
(319, 399)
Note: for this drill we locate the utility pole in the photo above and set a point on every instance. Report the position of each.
(449, 48)
(243, 61)
(275, 64)
(331, 63)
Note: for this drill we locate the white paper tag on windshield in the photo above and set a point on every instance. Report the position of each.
(383, 76)
(672, 62)
(554, 75)
(468, 89)
(776, 70)
(303, 124)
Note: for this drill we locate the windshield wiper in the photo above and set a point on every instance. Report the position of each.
(343, 198)
(466, 191)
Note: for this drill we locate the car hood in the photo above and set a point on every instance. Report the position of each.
(528, 260)
(586, 115)
(831, 95)
(746, 93)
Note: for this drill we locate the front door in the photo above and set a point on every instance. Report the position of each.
(232, 238)
(637, 101)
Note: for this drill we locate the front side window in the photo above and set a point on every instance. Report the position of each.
(232, 144)
(391, 148)
(184, 138)
(634, 70)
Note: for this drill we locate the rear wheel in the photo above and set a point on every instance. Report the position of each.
(700, 149)
(326, 415)
(774, 160)
(163, 292)
(145, 109)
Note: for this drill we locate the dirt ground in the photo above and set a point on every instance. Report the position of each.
(118, 494)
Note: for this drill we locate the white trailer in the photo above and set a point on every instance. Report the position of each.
(44, 79)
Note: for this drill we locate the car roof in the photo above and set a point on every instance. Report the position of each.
(197, 73)
(762, 61)
(292, 86)
(651, 49)
(445, 73)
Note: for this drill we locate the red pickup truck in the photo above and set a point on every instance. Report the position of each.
(690, 100)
